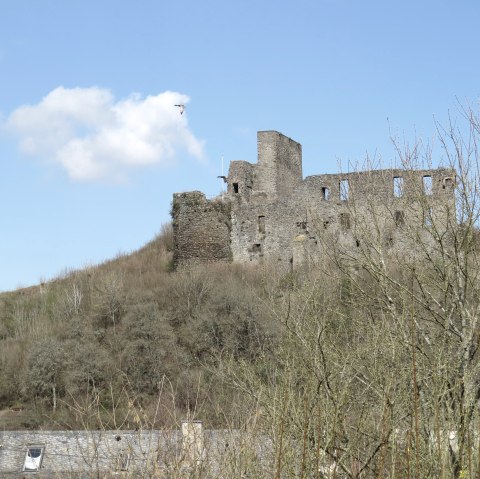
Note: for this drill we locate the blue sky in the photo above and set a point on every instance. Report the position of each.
(91, 147)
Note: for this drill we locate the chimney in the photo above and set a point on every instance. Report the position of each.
(192, 442)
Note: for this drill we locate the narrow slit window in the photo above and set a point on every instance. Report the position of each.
(326, 193)
(235, 187)
(345, 221)
(261, 224)
(399, 218)
(33, 459)
(427, 185)
(398, 186)
(344, 190)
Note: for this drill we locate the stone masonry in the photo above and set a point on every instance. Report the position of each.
(271, 213)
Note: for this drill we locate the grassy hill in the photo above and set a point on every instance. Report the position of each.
(119, 333)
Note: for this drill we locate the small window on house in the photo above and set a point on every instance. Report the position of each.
(235, 187)
(124, 461)
(427, 185)
(345, 221)
(398, 186)
(261, 224)
(399, 218)
(448, 183)
(33, 458)
(326, 193)
(344, 190)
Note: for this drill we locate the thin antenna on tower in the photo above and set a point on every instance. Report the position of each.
(224, 180)
(223, 188)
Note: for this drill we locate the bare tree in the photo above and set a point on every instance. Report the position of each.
(377, 373)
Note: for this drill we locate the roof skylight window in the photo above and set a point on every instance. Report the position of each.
(33, 458)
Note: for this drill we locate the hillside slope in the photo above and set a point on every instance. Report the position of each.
(119, 332)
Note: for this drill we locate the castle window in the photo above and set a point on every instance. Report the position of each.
(325, 193)
(399, 218)
(345, 221)
(235, 187)
(261, 224)
(448, 183)
(428, 217)
(344, 190)
(257, 248)
(427, 185)
(398, 186)
(33, 459)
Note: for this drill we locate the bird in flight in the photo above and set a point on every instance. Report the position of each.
(182, 108)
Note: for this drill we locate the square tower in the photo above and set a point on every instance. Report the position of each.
(279, 168)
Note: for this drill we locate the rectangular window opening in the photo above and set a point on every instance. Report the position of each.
(124, 461)
(345, 221)
(427, 185)
(33, 458)
(235, 187)
(257, 248)
(399, 218)
(325, 193)
(398, 186)
(344, 190)
(261, 224)
(448, 183)
(428, 217)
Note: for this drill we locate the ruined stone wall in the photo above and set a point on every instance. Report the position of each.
(379, 185)
(383, 200)
(270, 214)
(240, 179)
(318, 216)
(264, 231)
(201, 229)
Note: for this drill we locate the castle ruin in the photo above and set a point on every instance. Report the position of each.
(271, 213)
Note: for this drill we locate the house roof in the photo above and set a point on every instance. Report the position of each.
(83, 454)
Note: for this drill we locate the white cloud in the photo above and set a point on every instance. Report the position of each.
(94, 137)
